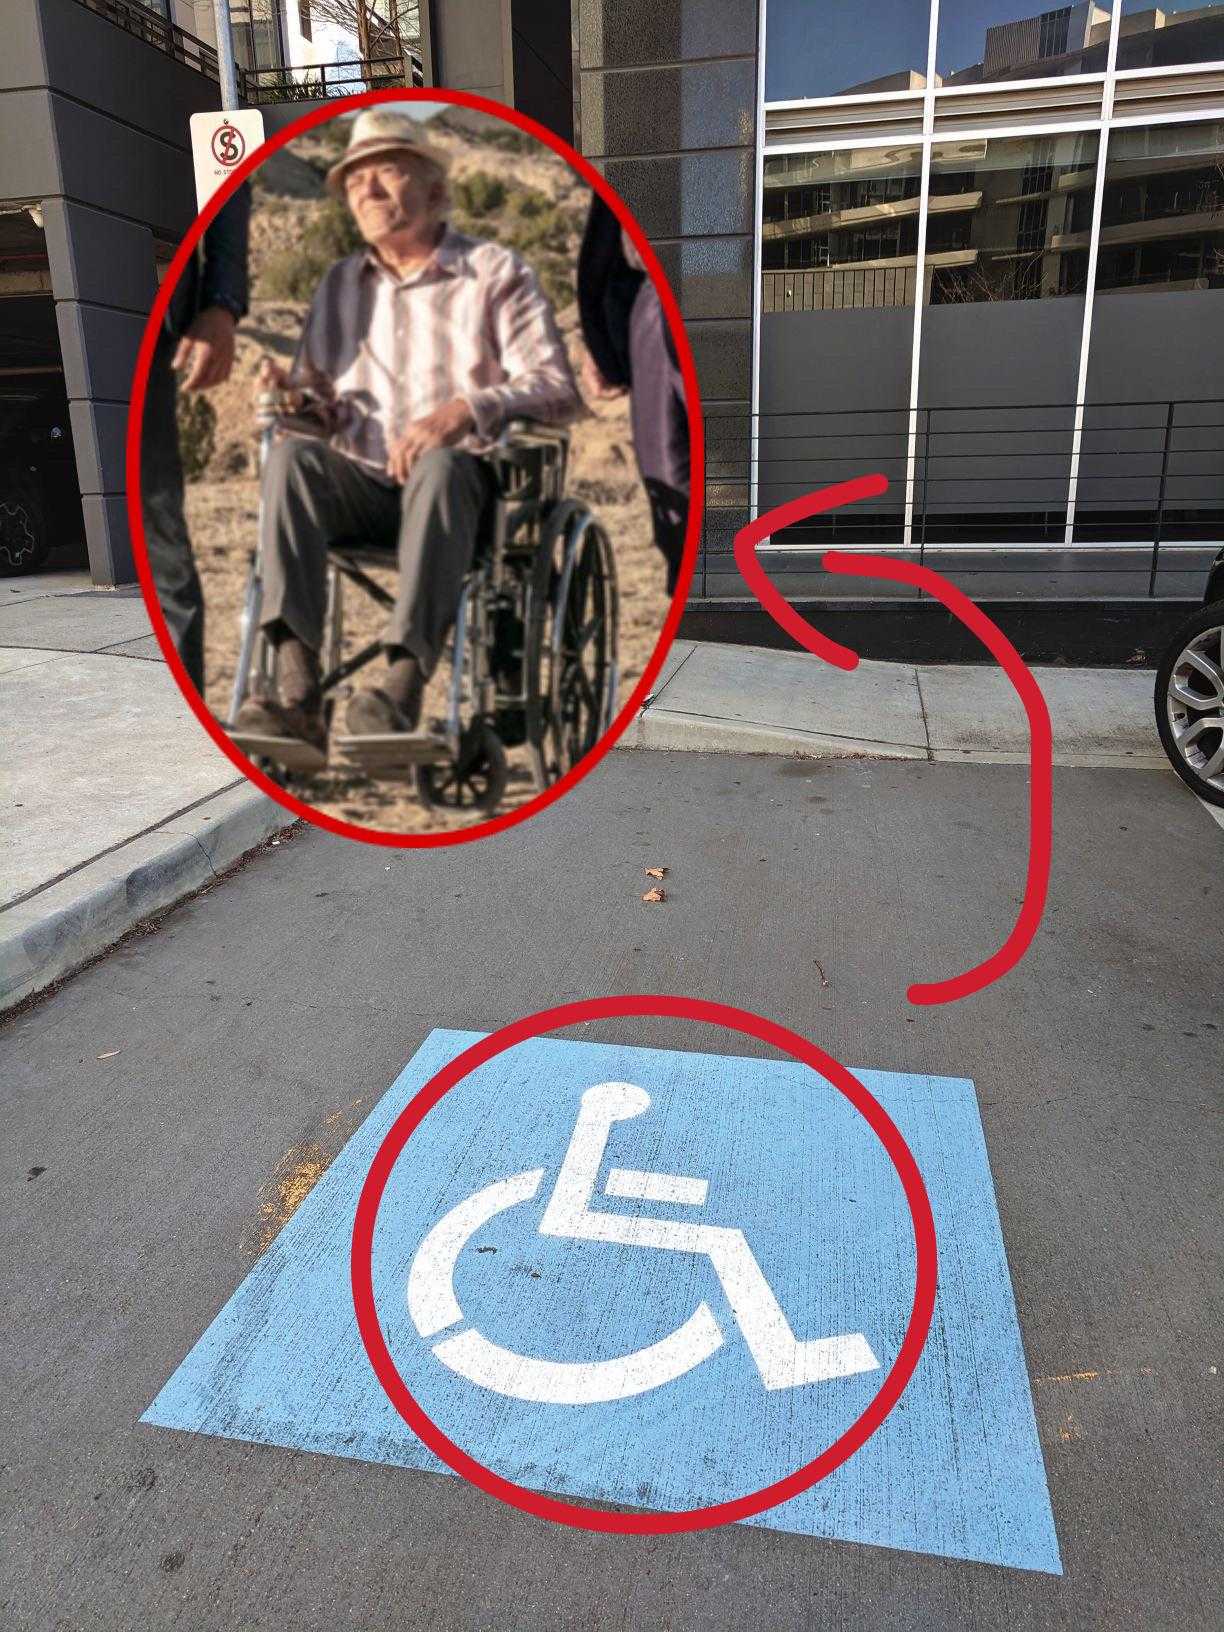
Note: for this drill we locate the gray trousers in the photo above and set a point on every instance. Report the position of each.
(161, 479)
(314, 496)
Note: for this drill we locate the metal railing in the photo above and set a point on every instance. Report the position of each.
(260, 87)
(824, 289)
(157, 31)
(1004, 483)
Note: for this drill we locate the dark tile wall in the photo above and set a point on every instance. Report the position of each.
(540, 48)
(94, 127)
(513, 51)
(665, 104)
(468, 45)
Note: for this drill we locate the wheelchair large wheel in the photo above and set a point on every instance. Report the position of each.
(570, 655)
(474, 781)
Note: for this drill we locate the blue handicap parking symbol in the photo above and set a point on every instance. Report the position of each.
(656, 1278)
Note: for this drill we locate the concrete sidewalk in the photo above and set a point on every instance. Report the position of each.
(745, 699)
(116, 803)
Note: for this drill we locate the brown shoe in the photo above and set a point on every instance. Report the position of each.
(373, 714)
(287, 734)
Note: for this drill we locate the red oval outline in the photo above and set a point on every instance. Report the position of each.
(540, 801)
(572, 1513)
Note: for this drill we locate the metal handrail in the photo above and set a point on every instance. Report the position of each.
(320, 82)
(261, 86)
(1150, 473)
(157, 31)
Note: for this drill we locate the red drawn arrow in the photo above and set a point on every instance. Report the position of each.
(1041, 747)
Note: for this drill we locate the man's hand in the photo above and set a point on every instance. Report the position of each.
(312, 397)
(205, 354)
(272, 377)
(441, 429)
(593, 383)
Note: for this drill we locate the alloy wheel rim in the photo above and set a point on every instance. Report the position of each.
(1195, 705)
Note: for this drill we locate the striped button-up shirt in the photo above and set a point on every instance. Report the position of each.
(473, 322)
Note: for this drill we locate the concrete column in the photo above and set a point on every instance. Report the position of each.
(103, 279)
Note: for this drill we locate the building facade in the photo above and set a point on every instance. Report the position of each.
(991, 267)
(974, 247)
(96, 192)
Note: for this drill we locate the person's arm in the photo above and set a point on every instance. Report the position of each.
(225, 279)
(607, 288)
(310, 403)
(539, 383)
(205, 353)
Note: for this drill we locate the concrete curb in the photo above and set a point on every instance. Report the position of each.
(680, 731)
(700, 733)
(748, 700)
(66, 924)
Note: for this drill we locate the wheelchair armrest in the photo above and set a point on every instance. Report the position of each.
(529, 432)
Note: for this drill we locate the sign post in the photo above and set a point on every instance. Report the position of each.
(225, 55)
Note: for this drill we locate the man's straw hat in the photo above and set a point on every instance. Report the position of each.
(382, 129)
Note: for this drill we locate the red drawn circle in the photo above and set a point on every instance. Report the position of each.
(573, 1513)
(237, 143)
(688, 562)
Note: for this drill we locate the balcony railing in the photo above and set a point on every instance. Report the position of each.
(157, 31)
(841, 289)
(1002, 483)
(260, 87)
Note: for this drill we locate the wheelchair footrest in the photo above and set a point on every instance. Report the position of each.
(288, 752)
(388, 753)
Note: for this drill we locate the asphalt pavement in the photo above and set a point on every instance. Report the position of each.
(167, 1108)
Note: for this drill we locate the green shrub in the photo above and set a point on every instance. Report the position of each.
(197, 432)
(557, 280)
(479, 193)
(292, 274)
(295, 274)
(543, 231)
(335, 233)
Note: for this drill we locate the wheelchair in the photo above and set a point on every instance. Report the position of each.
(532, 653)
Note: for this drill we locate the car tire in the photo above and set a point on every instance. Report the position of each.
(1190, 702)
(24, 540)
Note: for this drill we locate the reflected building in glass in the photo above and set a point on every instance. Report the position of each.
(989, 264)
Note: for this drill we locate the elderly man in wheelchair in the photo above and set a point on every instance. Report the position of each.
(416, 354)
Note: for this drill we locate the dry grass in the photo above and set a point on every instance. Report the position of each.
(222, 508)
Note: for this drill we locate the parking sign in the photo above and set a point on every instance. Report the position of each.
(654, 1278)
(219, 143)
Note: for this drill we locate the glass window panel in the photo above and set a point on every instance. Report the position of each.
(256, 31)
(1178, 31)
(839, 252)
(1008, 229)
(1162, 216)
(1151, 441)
(828, 48)
(985, 41)
(1010, 219)
(851, 217)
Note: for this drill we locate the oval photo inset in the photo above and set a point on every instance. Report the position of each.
(432, 534)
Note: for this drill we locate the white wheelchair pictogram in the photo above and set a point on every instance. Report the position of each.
(782, 1359)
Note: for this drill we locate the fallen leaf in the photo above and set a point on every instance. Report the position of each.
(656, 872)
(655, 895)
